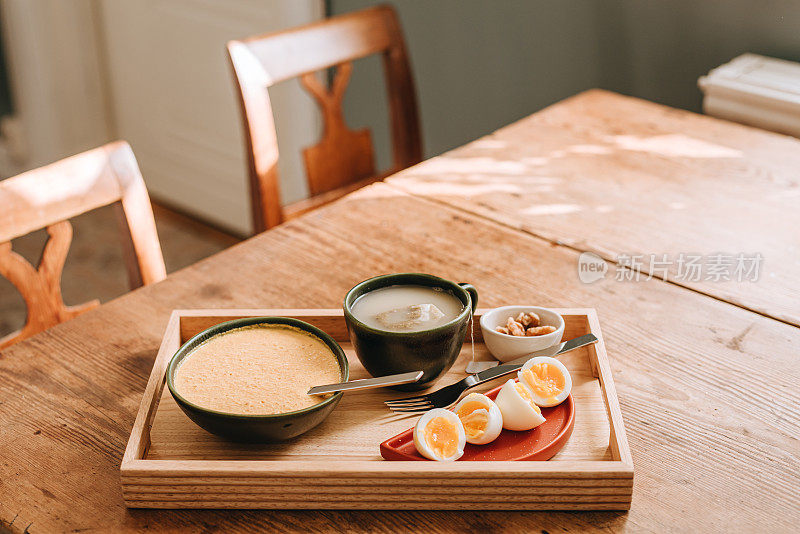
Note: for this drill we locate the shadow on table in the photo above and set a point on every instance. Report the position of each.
(380, 521)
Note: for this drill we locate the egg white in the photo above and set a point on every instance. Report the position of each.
(518, 413)
(546, 402)
(419, 434)
(494, 424)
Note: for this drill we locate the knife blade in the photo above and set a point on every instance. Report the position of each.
(555, 350)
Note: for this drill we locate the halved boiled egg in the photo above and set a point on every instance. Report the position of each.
(517, 406)
(547, 379)
(481, 418)
(439, 435)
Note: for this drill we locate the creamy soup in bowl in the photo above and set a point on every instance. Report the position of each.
(248, 379)
(407, 308)
(409, 322)
(257, 370)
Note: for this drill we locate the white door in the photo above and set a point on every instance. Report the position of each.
(172, 97)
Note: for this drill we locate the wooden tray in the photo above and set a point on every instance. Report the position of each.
(172, 463)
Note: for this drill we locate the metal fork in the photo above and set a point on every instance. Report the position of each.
(446, 396)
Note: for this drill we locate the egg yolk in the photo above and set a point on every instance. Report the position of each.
(545, 380)
(526, 396)
(442, 437)
(474, 421)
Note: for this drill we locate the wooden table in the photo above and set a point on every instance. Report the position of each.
(707, 375)
(615, 175)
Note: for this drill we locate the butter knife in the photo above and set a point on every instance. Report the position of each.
(513, 365)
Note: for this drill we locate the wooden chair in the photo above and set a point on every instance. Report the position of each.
(46, 198)
(343, 160)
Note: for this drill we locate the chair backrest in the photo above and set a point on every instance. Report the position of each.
(46, 198)
(343, 159)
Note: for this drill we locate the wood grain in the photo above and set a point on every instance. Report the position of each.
(46, 198)
(707, 390)
(613, 175)
(342, 158)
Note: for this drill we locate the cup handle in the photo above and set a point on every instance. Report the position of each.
(473, 294)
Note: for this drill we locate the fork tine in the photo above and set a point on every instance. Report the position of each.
(403, 401)
(409, 406)
(411, 410)
(415, 398)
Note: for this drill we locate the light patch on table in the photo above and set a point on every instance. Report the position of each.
(675, 145)
(552, 209)
(462, 189)
(444, 166)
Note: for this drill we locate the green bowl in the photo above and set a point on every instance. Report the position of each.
(257, 428)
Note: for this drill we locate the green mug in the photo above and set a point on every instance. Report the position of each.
(432, 351)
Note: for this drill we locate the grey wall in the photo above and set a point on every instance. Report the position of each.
(6, 103)
(482, 64)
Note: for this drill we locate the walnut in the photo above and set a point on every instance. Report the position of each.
(514, 328)
(525, 324)
(540, 330)
(528, 319)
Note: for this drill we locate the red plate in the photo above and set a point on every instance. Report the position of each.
(541, 443)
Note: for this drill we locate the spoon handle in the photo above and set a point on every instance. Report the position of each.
(367, 383)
